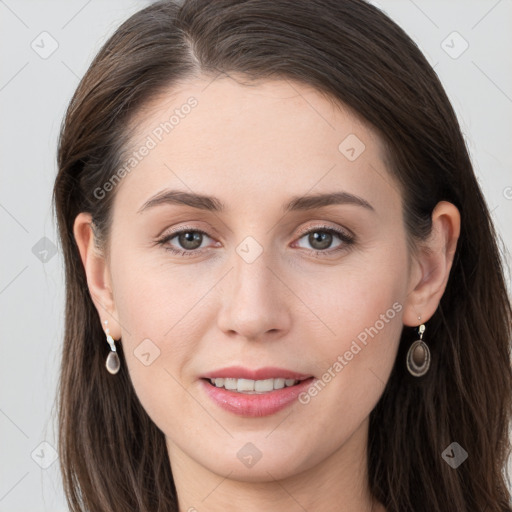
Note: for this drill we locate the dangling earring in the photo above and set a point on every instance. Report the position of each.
(418, 355)
(113, 363)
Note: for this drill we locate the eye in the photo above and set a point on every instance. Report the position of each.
(189, 241)
(321, 238)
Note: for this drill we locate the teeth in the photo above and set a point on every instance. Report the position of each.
(245, 385)
(253, 386)
(263, 386)
(279, 383)
(230, 383)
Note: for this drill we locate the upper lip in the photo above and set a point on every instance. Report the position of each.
(238, 372)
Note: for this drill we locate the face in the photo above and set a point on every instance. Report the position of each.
(271, 284)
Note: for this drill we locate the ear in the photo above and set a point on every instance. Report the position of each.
(431, 266)
(98, 277)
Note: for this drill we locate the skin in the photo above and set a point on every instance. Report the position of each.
(254, 147)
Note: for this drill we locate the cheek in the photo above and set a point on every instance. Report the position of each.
(152, 298)
(165, 312)
(363, 295)
(360, 307)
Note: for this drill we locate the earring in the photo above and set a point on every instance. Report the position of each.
(418, 356)
(113, 363)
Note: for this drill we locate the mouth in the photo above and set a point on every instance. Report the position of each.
(254, 393)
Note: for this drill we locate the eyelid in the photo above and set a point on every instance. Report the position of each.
(326, 227)
(170, 231)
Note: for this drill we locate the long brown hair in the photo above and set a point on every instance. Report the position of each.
(113, 457)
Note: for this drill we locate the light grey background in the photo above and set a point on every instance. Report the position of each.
(35, 88)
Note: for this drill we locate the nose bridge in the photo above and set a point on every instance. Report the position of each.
(252, 278)
(254, 302)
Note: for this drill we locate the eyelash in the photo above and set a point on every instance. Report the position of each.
(344, 237)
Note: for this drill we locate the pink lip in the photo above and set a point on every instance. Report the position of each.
(238, 372)
(255, 405)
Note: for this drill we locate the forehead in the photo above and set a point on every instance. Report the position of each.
(248, 140)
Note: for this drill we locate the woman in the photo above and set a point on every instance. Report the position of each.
(284, 290)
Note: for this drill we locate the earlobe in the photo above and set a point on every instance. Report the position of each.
(432, 265)
(96, 270)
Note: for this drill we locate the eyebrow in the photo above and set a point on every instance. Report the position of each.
(210, 203)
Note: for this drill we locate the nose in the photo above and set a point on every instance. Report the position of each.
(255, 302)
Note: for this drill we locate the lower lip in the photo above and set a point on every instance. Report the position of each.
(254, 405)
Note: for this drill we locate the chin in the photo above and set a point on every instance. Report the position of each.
(247, 461)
